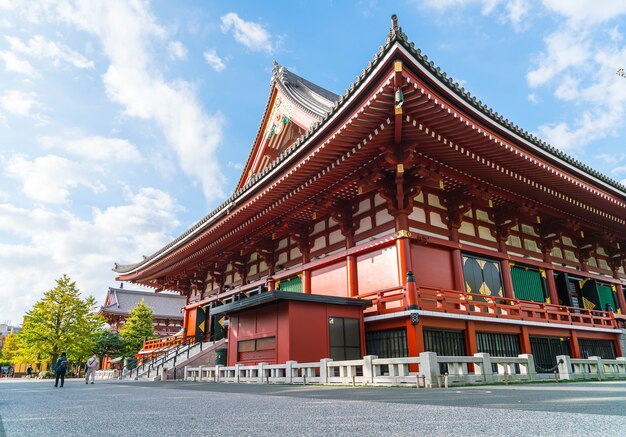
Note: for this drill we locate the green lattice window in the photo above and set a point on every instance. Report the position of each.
(292, 284)
(528, 284)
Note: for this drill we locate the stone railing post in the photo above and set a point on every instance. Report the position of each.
(484, 368)
(565, 368)
(324, 370)
(621, 366)
(237, 372)
(200, 373)
(528, 368)
(429, 367)
(368, 368)
(186, 377)
(599, 367)
(261, 372)
(289, 371)
(218, 367)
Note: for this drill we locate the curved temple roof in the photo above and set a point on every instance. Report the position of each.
(311, 97)
(316, 99)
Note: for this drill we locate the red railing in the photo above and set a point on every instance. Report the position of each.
(456, 302)
(159, 344)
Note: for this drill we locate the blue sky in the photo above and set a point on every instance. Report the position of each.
(124, 122)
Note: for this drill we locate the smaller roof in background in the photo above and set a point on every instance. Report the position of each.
(121, 301)
(275, 296)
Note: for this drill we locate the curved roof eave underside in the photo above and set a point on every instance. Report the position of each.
(396, 38)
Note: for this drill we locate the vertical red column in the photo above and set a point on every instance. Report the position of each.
(575, 348)
(507, 280)
(457, 262)
(525, 341)
(553, 293)
(472, 345)
(403, 249)
(352, 277)
(306, 281)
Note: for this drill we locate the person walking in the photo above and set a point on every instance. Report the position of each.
(60, 368)
(90, 369)
(29, 371)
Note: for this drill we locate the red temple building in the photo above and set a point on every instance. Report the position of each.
(400, 217)
(166, 309)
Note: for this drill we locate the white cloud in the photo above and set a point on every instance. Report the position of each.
(516, 11)
(84, 248)
(22, 104)
(214, 60)
(532, 97)
(252, 35)
(40, 48)
(177, 50)
(587, 12)
(235, 165)
(15, 64)
(615, 34)
(564, 50)
(127, 31)
(619, 170)
(581, 61)
(49, 178)
(95, 148)
(567, 89)
(18, 103)
(609, 158)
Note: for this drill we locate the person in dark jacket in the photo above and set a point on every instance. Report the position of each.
(60, 368)
(29, 371)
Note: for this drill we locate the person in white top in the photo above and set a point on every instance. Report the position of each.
(91, 367)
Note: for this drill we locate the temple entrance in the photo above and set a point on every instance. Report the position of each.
(216, 323)
(200, 333)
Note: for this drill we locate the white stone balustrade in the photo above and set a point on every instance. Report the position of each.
(422, 371)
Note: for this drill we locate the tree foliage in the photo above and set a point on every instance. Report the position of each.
(107, 343)
(137, 328)
(60, 322)
(10, 348)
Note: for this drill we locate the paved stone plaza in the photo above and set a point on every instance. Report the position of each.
(36, 408)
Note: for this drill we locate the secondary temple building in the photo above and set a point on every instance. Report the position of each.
(402, 216)
(166, 309)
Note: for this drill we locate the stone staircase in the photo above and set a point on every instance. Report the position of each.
(169, 359)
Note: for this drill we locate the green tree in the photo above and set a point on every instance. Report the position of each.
(60, 322)
(137, 328)
(107, 343)
(10, 349)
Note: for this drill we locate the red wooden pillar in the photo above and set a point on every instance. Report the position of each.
(351, 271)
(457, 262)
(306, 281)
(507, 280)
(553, 294)
(414, 338)
(271, 283)
(403, 249)
(472, 345)
(575, 348)
(525, 341)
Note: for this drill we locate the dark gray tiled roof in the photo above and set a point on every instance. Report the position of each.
(396, 35)
(162, 304)
(307, 95)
